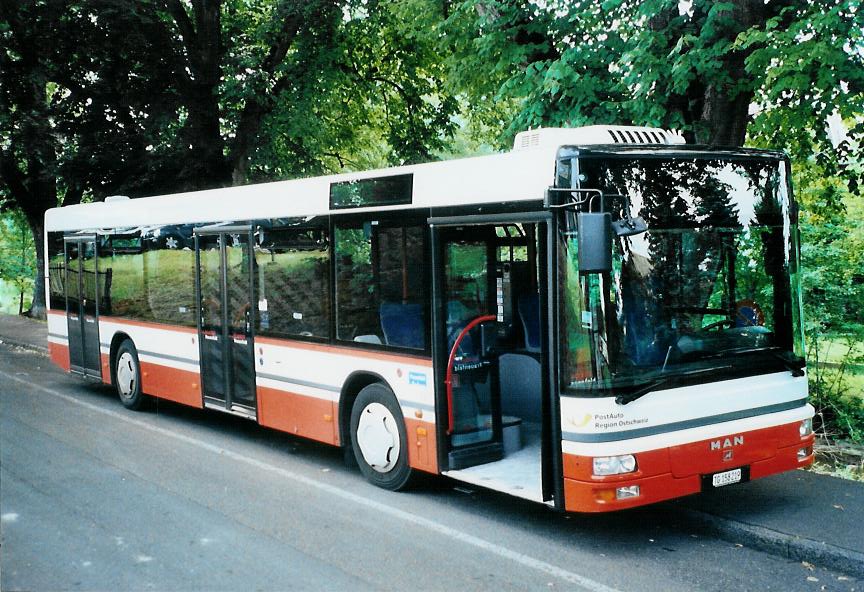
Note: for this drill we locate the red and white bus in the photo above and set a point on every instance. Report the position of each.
(602, 318)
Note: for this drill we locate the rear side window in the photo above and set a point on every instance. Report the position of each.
(380, 289)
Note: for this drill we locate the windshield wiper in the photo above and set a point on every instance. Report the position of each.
(794, 365)
(663, 380)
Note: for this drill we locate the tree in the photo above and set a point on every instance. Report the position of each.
(697, 66)
(76, 114)
(17, 255)
(122, 96)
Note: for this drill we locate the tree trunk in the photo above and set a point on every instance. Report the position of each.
(206, 165)
(724, 117)
(38, 306)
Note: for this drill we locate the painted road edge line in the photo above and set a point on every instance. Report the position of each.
(442, 529)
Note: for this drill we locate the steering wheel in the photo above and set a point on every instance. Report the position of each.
(717, 324)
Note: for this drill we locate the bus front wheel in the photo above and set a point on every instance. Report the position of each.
(127, 376)
(379, 439)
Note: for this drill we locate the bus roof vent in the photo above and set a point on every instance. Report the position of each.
(116, 198)
(552, 137)
(529, 139)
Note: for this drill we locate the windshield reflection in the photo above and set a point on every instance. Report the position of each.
(711, 285)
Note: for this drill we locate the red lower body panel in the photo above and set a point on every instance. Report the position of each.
(281, 410)
(676, 471)
(180, 386)
(297, 414)
(59, 355)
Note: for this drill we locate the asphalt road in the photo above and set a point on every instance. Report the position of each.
(95, 497)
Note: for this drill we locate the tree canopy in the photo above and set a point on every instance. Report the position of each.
(719, 71)
(140, 97)
(99, 97)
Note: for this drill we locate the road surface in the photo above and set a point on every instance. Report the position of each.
(96, 497)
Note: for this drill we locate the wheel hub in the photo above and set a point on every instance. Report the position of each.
(126, 375)
(378, 437)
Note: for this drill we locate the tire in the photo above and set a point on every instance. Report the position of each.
(379, 439)
(127, 376)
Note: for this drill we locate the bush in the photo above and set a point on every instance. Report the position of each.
(836, 382)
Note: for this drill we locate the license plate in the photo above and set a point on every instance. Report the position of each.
(726, 478)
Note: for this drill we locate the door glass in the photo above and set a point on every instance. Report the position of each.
(239, 302)
(210, 278)
(466, 292)
(73, 305)
(89, 300)
(88, 278)
(211, 283)
(237, 276)
(73, 299)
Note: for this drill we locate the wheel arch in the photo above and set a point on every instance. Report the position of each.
(352, 386)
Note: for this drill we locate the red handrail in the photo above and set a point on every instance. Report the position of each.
(448, 380)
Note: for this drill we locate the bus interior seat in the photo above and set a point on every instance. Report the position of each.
(520, 386)
(371, 338)
(529, 313)
(402, 324)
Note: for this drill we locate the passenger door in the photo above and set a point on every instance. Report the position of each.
(82, 305)
(473, 401)
(225, 294)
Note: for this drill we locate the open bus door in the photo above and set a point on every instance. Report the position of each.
(225, 294)
(491, 353)
(82, 305)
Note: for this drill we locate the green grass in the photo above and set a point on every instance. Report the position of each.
(834, 348)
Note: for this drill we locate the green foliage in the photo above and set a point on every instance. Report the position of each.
(17, 256)
(578, 62)
(832, 254)
(837, 385)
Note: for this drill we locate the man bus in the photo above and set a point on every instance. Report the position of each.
(602, 318)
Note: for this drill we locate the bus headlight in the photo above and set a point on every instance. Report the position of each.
(614, 465)
(806, 427)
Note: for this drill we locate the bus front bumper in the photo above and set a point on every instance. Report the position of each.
(678, 471)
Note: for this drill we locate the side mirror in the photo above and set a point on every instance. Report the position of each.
(629, 226)
(594, 242)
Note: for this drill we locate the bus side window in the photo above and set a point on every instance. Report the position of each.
(56, 272)
(294, 283)
(380, 289)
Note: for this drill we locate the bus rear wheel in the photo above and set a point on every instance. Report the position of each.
(378, 438)
(127, 376)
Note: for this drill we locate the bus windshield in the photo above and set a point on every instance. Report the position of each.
(709, 292)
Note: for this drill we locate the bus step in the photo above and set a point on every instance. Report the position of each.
(475, 455)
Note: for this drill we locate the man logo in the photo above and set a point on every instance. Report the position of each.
(727, 443)
(727, 455)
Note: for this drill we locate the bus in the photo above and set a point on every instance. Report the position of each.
(602, 318)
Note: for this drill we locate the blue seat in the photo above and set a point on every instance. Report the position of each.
(402, 324)
(529, 313)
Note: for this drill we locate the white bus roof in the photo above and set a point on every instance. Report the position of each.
(520, 175)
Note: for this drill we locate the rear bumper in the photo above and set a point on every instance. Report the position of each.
(677, 471)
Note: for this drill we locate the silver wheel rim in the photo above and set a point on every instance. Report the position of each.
(378, 437)
(126, 375)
